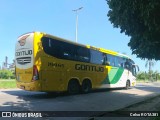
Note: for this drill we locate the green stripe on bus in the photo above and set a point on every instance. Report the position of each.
(113, 76)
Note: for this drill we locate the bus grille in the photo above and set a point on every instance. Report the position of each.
(24, 60)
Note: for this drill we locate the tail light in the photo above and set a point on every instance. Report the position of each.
(35, 73)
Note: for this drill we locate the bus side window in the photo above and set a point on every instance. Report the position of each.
(117, 61)
(105, 59)
(123, 60)
(128, 64)
(111, 59)
(50, 43)
(96, 57)
(46, 43)
(134, 70)
(68, 51)
(82, 54)
(55, 48)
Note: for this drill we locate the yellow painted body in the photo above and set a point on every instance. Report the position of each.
(54, 73)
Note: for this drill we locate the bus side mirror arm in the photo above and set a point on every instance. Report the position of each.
(136, 66)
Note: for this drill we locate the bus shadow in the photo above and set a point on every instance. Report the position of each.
(35, 95)
(39, 101)
(49, 95)
(107, 89)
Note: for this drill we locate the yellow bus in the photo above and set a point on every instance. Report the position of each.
(51, 64)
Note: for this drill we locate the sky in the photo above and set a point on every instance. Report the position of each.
(56, 17)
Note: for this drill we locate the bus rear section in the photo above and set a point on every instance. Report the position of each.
(26, 72)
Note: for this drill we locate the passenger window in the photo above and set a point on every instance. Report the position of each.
(119, 61)
(83, 54)
(64, 50)
(111, 60)
(96, 57)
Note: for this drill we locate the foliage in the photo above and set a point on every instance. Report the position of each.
(139, 19)
(141, 76)
(150, 63)
(6, 74)
(146, 75)
(8, 84)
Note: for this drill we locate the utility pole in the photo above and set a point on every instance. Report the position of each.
(76, 10)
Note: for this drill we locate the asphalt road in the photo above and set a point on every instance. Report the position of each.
(99, 100)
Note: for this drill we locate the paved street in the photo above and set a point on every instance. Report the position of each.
(99, 100)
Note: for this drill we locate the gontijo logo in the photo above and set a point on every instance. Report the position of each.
(22, 40)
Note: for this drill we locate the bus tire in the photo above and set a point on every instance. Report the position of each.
(127, 85)
(73, 87)
(86, 86)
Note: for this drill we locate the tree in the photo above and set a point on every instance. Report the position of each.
(141, 76)
(156, 75)
(6, 74)
(139, 19)
(150, 63)
(146, 76)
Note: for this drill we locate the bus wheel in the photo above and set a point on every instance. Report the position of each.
(127, 84)
(86, 86)
(73, 87)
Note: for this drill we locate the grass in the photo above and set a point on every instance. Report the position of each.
(142, 81)
(145, 81)
(7, 83)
